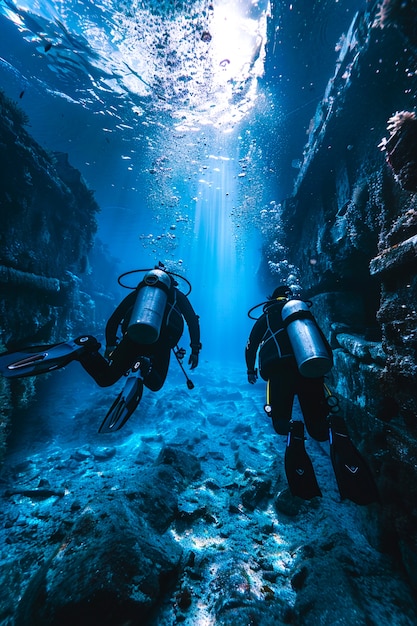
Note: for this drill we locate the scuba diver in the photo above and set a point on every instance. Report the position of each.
(151, 322)
(293, 358)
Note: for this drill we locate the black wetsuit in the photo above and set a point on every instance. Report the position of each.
(128, 352)
(278, 367)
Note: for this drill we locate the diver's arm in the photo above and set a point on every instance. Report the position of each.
(117, 316)
(252, 346)
(193, 324)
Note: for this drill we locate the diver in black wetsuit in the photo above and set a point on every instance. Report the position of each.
(154, 357)
(293, 358)
(277, 366)
(151, 321)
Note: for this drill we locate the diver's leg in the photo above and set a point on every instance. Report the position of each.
(280, 399)
(106, 373)
(125, 403)
(314, 407)
(353, 476)
(36, 360)
(99, 369)
(156, 374)
(298, 467)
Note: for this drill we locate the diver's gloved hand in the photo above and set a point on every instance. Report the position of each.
(108, 351)
(252, 376)
(193, 360)
(195, 351)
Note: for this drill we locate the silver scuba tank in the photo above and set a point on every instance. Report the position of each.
(311, 354)
(149, 308)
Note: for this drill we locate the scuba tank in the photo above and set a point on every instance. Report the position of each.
(314, 359)
(149, 308)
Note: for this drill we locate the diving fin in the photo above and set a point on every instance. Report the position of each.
(36, 360)
(298, 467)
(125, 403)
(353, 476)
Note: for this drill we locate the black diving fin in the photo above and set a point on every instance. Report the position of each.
(36, 360)
(353, 476)
(298, 466)
(125, 403)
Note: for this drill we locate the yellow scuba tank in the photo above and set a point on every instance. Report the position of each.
(149, 308)
(313, 357)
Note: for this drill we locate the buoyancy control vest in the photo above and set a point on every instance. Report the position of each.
(275, 345)
(311, 351)
(149, 308)
(174, 322)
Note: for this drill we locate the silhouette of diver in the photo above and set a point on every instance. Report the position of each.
(293, 358)
(151, 321)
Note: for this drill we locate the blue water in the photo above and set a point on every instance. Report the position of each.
(188, 122)
(168, 129)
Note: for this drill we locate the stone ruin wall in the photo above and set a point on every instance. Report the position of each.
(48, 226)
(351, 230)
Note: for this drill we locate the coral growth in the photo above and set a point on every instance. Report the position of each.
(401, 148)
(273, 231)
(400, 14)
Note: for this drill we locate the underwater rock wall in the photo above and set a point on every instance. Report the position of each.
(350, 228)
(48, 225)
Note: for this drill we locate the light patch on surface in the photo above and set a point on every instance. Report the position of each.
(233, 62)
(199, 65)
(197, 542)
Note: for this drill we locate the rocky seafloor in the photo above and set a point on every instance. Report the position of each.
(183, 516)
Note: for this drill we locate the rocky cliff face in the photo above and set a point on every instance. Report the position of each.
(349, 230)
(48, 225)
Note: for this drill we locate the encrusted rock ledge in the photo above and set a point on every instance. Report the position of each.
(26, 280)
(395, 257)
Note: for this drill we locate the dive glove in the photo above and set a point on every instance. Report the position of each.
(252, 376)
(193, 360)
